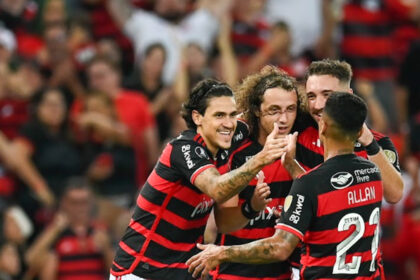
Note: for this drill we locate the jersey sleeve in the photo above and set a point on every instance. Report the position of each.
(190, 159)
(390, 152)
(298, 209)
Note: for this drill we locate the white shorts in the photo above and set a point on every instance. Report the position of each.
(295, 274)
(125, 277)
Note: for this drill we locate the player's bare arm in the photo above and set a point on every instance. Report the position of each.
(223, 187)
(120, 10)
(272, 249)
(391, 179)
(229, 216)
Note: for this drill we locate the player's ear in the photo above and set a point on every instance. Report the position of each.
(196, 117)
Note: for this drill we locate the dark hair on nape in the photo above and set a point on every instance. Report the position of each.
(200, 96)
(348, 112)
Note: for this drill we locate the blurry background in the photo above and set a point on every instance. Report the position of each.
(90, 92)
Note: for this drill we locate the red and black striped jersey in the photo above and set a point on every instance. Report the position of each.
(335, 210)
(79, 258)
(310, 152)
(262, 226)
(367, 43)
(171, 213)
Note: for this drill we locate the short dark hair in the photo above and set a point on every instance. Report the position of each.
(199, 97)
(114, 65)
(75, 183)
(348, 112)
(336, 68)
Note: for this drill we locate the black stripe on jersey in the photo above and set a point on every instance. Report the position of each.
(123, 259)
(173, 233)
(175, 205)
(166, 173)
(373, 31)
(149, 271)
(330, 221)
(145, 218)
(133, 239)
(316, 272)
(233, 240)
(152, 195)
(167, 256)
(308, 157)
(272, 270)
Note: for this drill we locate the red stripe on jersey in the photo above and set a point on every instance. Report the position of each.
(254, 233)
(127, 249)
(362, 154)
(160, 239)
(168, 216)
(66, 266)
(198, 172)
(246, 143)
(356, 13)
(355, 196)
(235, 277)
(309, 139)
(362, 46)
(164, 265)
(290, 229)
(165, 158)
(335, 236)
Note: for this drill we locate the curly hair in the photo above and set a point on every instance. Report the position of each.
(336, 68)
(250, 93)
(199, 96)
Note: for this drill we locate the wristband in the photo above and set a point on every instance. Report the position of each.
(247, 210)
(373, 148)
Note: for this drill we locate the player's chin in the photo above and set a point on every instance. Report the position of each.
(225, 143)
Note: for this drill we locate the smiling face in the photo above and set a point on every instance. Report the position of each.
(318, 88)
(280, 106)
(218, 123)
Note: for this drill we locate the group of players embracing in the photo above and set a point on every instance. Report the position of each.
(293, 186)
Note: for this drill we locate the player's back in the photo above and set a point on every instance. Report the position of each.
(342, 239)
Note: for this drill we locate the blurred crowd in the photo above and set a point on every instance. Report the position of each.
(90, 92)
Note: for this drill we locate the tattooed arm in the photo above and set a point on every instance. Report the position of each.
(120, 10)
(276, 248)
(223, 187)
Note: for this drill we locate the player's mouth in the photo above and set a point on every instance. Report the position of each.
(225, 133)
(283, 130)
(317, 115)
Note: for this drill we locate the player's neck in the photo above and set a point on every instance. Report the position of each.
(334, 148)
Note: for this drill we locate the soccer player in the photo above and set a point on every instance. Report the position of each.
(324, 77)
(333, 208)
(267, 97)
(173, 206)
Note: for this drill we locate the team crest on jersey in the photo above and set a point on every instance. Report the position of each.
(201, 153)
(340, 180)
(391, 156)
(287, 202)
